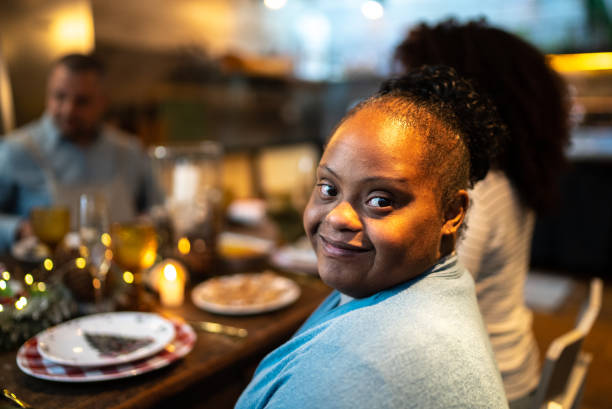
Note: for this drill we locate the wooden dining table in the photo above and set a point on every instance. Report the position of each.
(212, 375)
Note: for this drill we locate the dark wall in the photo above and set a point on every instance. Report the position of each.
(578, 237)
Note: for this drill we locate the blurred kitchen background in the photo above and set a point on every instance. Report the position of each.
(268, 79)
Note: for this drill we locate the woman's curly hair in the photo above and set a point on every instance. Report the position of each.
(454, 101)
(531, 98)
(462, 128)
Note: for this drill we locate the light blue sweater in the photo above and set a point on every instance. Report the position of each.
(421, 344)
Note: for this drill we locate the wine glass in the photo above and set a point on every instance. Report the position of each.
(95, 242)
(135, 249)
(50, 224)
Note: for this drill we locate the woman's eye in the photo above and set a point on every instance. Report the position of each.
(379, 202)
(327, 190)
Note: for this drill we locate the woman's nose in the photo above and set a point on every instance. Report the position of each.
(344, 217)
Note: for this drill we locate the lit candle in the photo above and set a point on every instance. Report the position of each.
(172, 285)
(185, 182)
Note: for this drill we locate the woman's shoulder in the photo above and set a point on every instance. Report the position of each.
(407, 340)
(433, 306)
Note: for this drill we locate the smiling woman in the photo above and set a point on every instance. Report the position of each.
(386, 206)
(403, 328)
(377, 224)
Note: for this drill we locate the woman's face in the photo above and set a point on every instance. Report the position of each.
(374, 216)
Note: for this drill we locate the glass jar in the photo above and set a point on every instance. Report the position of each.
(190, 175)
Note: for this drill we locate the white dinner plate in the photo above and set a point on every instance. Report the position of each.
(105, 339)
(31, 363)
(244, 294)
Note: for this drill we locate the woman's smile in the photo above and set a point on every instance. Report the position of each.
(335, 248)
(374, 218)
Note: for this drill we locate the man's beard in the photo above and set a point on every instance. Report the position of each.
(78, 134)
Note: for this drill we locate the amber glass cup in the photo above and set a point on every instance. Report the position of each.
(50, 224)
(134, 250)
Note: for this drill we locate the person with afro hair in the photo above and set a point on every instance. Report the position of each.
(532, 101)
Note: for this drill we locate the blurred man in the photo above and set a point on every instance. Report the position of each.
(69, 151)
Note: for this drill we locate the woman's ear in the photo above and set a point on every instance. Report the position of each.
(455, 212)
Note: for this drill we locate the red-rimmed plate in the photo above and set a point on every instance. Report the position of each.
(111, 338)
(32, 363)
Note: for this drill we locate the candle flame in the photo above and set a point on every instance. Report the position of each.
(170, 272)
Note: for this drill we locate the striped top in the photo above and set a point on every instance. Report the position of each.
(495, 248)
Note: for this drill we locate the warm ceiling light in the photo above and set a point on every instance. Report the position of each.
(72, 29)
(372, 10)
(581, 62)
(275, 4)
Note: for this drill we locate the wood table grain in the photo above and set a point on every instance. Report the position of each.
(212, 375)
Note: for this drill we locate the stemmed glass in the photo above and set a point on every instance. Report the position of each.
(135, 249)
(95, 242)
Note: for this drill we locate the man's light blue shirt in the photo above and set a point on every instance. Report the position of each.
(36, 156)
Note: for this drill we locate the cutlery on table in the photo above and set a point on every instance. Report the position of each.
(217, 328)
(209, 326)
(11, 396)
